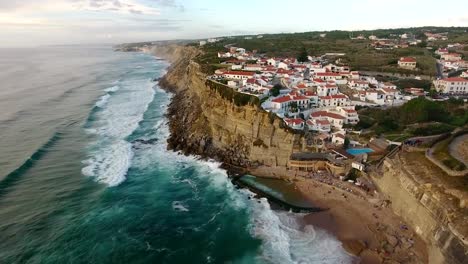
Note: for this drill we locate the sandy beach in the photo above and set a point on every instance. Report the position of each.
(363, 221)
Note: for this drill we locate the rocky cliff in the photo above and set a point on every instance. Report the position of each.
(203, 123)
(432, 202)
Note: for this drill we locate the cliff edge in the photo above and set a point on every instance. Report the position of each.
(202, 122)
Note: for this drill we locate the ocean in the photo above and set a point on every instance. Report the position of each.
(86, 177)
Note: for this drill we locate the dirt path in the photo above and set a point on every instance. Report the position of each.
(459, 148)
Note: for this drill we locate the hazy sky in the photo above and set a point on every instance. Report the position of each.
(39, 22)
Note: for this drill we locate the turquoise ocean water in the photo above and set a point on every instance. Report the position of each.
(85, 176)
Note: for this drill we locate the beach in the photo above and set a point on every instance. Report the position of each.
(362, 220)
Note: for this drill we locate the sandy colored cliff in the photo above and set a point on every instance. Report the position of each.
(203, 123)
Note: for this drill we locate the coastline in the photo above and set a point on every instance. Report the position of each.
(365, 224)
(366, 228)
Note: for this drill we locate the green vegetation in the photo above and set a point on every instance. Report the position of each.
(275, 91)
(442, 116)
(303, 56)
(239, 99)
(259, 143)
(346, 143)
(353, 174)
(359, 53)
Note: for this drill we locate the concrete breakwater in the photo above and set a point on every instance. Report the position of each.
(286, 197)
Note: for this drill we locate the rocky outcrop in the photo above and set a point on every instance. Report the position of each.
(431, 202)
(203, 123)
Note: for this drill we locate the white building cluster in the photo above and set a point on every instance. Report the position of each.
(306, 94)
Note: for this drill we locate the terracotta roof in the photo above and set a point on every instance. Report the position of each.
(326, 114)
(294, 121)
(454, 79)
(300, 98)
(407, 59)
(322, 122)
(239, 73)
(309, 93)
(340, 135)
(282, 99)
(328, 74)
(338, 96)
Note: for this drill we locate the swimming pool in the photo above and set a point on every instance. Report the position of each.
(358, 151)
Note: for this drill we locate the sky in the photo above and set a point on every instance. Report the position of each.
(55, 22)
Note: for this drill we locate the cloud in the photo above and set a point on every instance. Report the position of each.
(121, 6)
(170, 3)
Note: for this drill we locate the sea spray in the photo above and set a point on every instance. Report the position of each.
(111, 154)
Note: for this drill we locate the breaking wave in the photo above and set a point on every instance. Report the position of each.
(111, 154)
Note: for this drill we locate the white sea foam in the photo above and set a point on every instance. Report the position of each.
(285, 240)
(103, 100)
(111, 155)
(110, 164)
(114, 88)
(179, 206)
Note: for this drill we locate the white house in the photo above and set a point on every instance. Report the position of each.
(358, 85)
(375, 96)
(224, 55)
(320, 125)
(336, 120)
(338, 139)
(240, 51)
(407, 63)
(253, 67)
(441, 51)
(351, 115)
(327, 90)
(283, 65)
(387, 85)
(451, 56)
(328, 75)
(454, 85)
(295, 123)
(238, 75)
(271, 62)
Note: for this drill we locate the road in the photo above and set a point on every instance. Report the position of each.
(439, 68)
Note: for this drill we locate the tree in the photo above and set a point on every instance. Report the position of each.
(293, 106)
(303, 56)
(346, 143)
(275, 91)
(422, 44)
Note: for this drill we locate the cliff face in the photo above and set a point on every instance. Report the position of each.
(204, 123)
(432, 202)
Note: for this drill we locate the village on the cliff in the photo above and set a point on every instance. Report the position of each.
(317, 94)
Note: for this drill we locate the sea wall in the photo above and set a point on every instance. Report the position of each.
(425, 209)
(203, 123)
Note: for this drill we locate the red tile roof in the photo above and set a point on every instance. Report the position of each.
(309, 93)
(454, 79)
(328, 74)
(407, 59)
(338, 96)
(294, 121)
(322, 122)
(282, 99)
(239, 73)
(326, 114)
